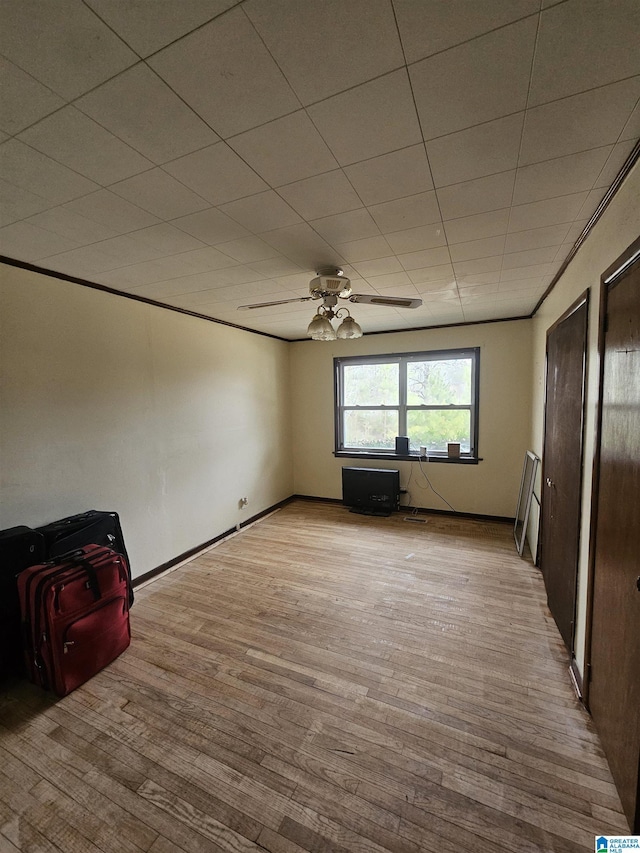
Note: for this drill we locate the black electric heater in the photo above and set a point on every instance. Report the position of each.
(371, 491)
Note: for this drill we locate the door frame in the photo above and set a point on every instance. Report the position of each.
(612, 272)
(583, 299)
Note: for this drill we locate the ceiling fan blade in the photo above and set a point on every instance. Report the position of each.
(392, 301)
(279, 302)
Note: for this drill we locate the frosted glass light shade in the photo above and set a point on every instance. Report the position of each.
(349, 329)
(320, 329)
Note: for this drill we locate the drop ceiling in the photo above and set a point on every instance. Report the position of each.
(207, 154)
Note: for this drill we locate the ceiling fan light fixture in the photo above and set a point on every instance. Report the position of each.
(348, 329)
(320, 329)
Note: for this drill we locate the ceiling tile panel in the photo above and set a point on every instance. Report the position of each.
(530, 257)
(583, 44)
(302, 245)
(129, 250)
(372, 119)
(380, 283)
(27, 242)
(442, 272)
(485, 248)
(70, 137)
(416, 239)
(108, 209)
(478, 226)
(365, 250)
(529, 271)
(17, 203)
(353, 225)
(211, 226)
(285, 150)
(24, 167)
(160, 194)
(217, 174)
(160, 289)
(261, 212)
(475, 291)
(537, 238)
(23, 100)
(380, 266)
(194, 262)
(248, 249)
(277, 267)
(66, 223)
(585, 121)
(478, 81)
(560, 176)
(471, 279)
(63, 44)
(224, 72)
(147, 27)
(430, 290)
(431, 26)
(391, 176)
(476, 152)
(534, 283)
(83, 262)
(166, 239)
(328, 46)
(322, 195)
(477, 196)
(409, 212)
(298, 282)
(553, 211)
(139, 108)
(192, 272)
(427, 258)
(135, 275)
(478, 265)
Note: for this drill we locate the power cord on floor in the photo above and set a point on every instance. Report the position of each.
(430, 484)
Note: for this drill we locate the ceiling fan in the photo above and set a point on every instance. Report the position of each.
(331, 284)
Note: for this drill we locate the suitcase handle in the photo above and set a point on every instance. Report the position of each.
(78, 558)
(68, 556)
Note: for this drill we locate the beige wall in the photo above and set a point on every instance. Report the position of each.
(107, 403)
(616, 230)
(491, 487)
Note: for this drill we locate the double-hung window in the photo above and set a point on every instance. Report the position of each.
(431, 397)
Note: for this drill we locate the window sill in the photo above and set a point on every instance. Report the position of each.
(450, 460)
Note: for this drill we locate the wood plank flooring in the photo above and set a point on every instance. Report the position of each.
(322, 682)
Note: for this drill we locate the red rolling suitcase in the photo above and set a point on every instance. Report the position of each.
(75, 616)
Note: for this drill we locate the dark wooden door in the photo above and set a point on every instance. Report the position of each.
(614, 690)
(562, 465)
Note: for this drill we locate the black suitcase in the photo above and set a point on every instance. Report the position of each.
(87, 528)
(20, 547)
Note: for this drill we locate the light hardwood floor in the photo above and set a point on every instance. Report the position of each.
(322, 681)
